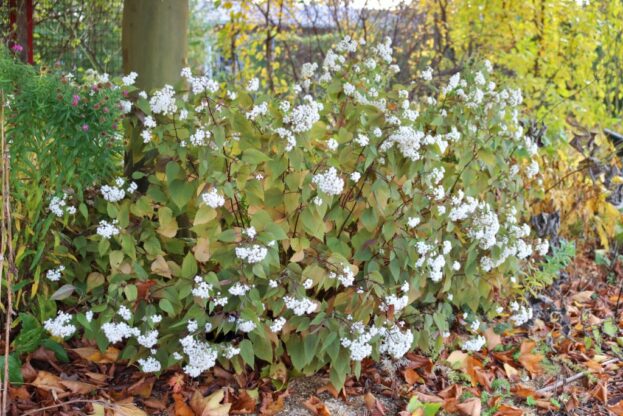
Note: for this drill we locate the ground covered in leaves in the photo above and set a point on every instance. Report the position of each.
(567, 361)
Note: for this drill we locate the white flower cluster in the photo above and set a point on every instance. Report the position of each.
(521, 314)
(149, 365)
(199, 137)
(129, 79)
(278, 324)
(399, 303)
(213, 199)
(258, 110)
(200, 84)
(346, 278)
(302, 117)
(58, 206)
(107, 229)
(55, 274)
(408, 140)
(245, 325)
(300, 307)
(201, 356)
(202, 288)
(474, 344)
(329, 182)
(116, 192)
(149, 339)
(116, 332)
(60, 326)
(396, 342)
(251, 254)
(360, 346)
(163, 101)
(239, 289)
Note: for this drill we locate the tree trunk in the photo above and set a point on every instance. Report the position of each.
(21, 29)
(155, 46)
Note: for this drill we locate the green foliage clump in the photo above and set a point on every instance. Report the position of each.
(343, 220)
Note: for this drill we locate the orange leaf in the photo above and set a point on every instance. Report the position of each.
(617, 409)
(412, 376)
(78, 387)
(506, 410)
(48, 382)
(181, 408)
(176, 383)
(493, 339)
(244, 404)
(532, 362)
(316, 406)
(270, 406)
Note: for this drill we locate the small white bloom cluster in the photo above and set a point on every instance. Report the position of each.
(253, 85)
(149, 339)
(107, 229)
(542, 247)
(200, 84)
(60, 326)
(229, 351)
(149, 365)
(346, 278)
(199, 137)
(201, 356)
(474, 344)
(360, 346)
(163, 101)
(116, 332)
(58, 206)
(129, 79)
(213, 199)
(202, 288)
(245, 325)
(239, 289)
(329, 182)
(116, 192)
(300, 307)
(408, 140)
(395, 341)
(258, 110)
(55, 274)
(521, 314)
(251, 254)
(399, 303)
(278, 324)
(302, 117)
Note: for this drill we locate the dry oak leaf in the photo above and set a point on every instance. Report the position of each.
(457, 359)
(316, 406)
(329, 389)
(600, 392)
(617, 408)
(176, 382)
(470, 407)
(411, 376)
(531, 362)
(511, 372)
(143, 387)
(493, 339)
(78, 387)
(211, 405)
(127, 408)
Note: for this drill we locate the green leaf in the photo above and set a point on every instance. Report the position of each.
(167, 306)
(15, 369)
(63, 292)
(254, 156)
(189, 266)
(246, 352)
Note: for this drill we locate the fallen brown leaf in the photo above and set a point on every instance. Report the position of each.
(493, 339)
(270, 406)
(244, 404)
(507, 410)
(316, 406)
(470, 407)
(374, 406)
(412, 377)
(210, 405)
(181, 408)
(78, 387)
(48, 382)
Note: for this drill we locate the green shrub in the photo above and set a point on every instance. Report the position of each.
(347, 219)
(62, 139)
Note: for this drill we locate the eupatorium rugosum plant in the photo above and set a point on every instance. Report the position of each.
(345, 220)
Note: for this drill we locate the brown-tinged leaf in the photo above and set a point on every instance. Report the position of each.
(493, 339)
(161, 267)
(143, 387)
(155, 403)
(270, 406)
(583, 297)
(210, 405)
(94, 355)
(127, 408)
(97, 377)
(523, 391)
(19, 393)
(202, 250)
(78, 387)
(316, 406)
(28, 372)
(511, 372)
(600, 392)
(428, 398)
(507, 410)
(176, 382)
(457, 359)
(452, 392)
(530, 361)
(411, 376)
(181, 408)
(470, 407)
(617, 408)
(244, 404)
(298, 256)
(48, 382)
(328, 388)
(374, 406)
(471, 365)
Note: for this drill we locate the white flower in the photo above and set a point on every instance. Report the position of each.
(230, 351)
(474, 344)
(413, 222)
(213, 199)
(250, 232)
(107, 229)
(278, 324)
(427, 74)
(395, 342)
(532, 169)
(355, 176)
(246, 326)
(201, 356)
(349, 89)
(129, 79)
(251, 254)
(149, 365)
(329, 182)
(163, 101)
(300, 306)
(149, 339)
(362, 140)
(55, 274)
(202, 289)
(332, 144)
(257, 111)
(239, 289)
(542, 247)
(124, 312)
(253, 85)
(89, 316)
(456, 266)
(60, 326)
(116, 332)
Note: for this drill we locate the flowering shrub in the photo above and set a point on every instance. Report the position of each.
(345, 220)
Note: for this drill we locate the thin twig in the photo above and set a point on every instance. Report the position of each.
(571, 379)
